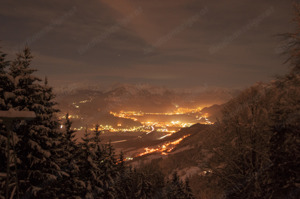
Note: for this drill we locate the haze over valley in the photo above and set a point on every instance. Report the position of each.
(122, 99)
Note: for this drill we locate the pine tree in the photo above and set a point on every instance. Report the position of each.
(98, 159)
(5, 88)
(98, 149)
(155, 179)
(175, 188)
(37, 139)
(144, 186)
(5, 83)
(89, 169)
(85, 167)
(122, 187)
(96, 138)
(131, 186)
(69, 155)
(121, 164)
(188, 190)
(109, 172)
(49, 120)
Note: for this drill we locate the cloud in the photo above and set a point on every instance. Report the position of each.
(180, 55)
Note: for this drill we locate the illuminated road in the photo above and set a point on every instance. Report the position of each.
(152, 130)
(118, 141)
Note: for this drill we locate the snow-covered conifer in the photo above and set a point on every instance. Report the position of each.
(39, 138)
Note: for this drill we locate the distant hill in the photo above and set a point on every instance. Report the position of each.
(93, 103)
(214, 112)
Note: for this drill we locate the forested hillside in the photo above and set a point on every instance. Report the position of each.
(252, 151)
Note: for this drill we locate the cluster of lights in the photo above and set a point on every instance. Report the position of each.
(70, 117)
(127, 115)
(165, 126)
(109, 128)
(133, 129)
(147, 126)
(179, 111)
(81, 102)
(164, 149)
(78, 129)
(188, 110)
(84, 101)
(112, 129)
(75, 105)
(133, 114)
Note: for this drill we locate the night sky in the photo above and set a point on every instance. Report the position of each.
(170, 43)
